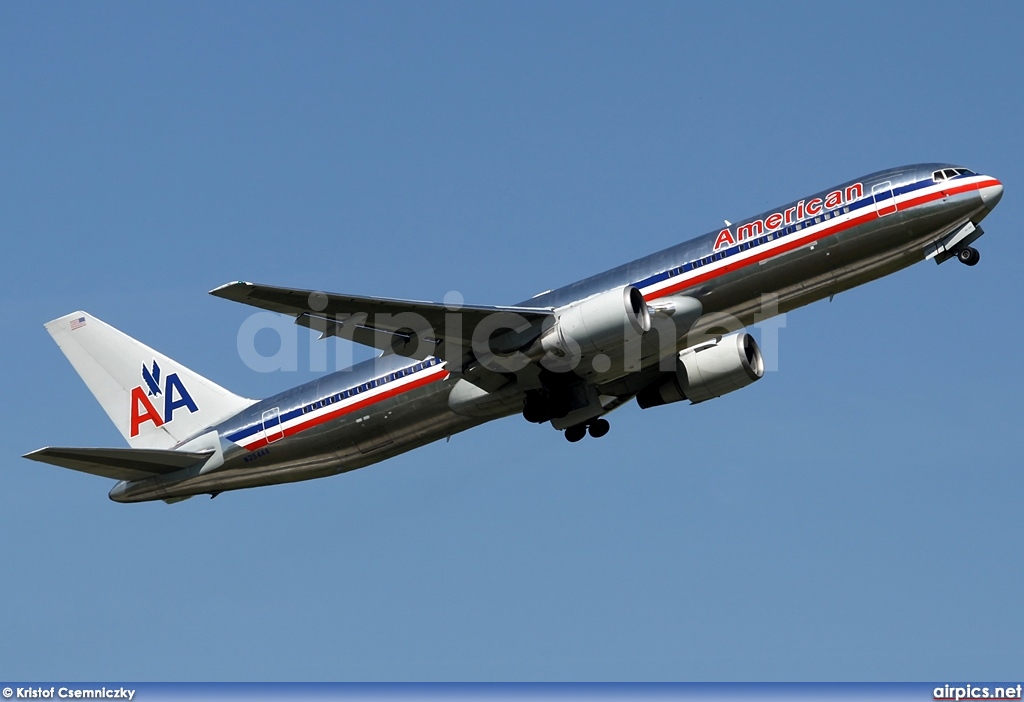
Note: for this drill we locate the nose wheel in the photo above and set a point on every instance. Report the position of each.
(597, 428)
(968, 256)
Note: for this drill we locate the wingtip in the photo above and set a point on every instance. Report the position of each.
(220, 290)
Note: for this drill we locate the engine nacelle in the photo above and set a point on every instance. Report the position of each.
(598, 323)
(708, 371)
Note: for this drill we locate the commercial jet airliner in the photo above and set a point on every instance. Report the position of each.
(661, 329)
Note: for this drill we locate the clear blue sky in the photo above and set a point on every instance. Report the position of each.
(854, 515)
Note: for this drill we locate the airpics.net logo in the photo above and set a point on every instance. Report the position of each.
(977, 692)
(269, 342)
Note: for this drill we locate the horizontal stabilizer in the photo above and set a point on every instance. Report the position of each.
(119, 463)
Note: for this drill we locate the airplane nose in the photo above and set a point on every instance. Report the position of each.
(991, 194)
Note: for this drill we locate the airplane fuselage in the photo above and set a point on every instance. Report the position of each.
(793, 255)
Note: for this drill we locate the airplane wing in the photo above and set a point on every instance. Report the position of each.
(119, 463)
(406, 327)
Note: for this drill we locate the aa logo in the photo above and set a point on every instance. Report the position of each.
(175, 396)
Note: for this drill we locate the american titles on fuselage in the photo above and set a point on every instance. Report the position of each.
(791, 215)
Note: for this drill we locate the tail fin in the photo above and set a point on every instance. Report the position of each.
(154, 402)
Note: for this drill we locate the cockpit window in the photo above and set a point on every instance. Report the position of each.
(947, 173)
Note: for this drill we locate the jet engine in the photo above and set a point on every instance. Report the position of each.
(707, 371)
(597, 324)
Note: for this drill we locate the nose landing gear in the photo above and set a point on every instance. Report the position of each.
(968, 256)
(596, 428)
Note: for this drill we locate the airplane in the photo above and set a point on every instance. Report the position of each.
(661, 329)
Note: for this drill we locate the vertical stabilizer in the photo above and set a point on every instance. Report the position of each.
(153, 401)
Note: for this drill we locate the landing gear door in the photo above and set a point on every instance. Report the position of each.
(885, 202)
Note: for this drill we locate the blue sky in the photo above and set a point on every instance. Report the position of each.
(853, 516)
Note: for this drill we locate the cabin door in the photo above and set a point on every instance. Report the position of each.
(272, 425)
(885, 203)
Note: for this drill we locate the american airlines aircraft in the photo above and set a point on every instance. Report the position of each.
(661, 329)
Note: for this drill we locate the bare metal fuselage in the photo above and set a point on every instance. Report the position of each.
(900, 216)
